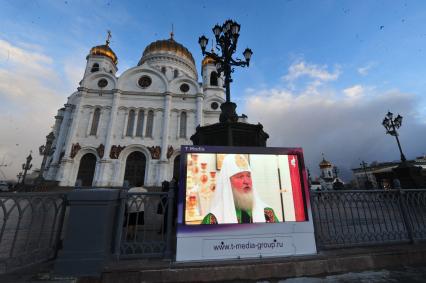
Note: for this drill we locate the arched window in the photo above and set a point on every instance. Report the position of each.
(213, 78)
(86, 170)
(163, 70)
(134, 173)
(95, 68)
(95, 122)
(175, 73)
(149, 123)
(182, 125)
(130, 123)
(139, 125)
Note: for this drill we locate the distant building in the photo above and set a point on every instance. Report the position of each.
(128, 129)
(381, 175)
(328, 180)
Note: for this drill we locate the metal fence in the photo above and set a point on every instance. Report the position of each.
(145, 225)
(30, 228)
(362, 218)
(31, 223)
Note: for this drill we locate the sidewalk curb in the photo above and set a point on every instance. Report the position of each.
(327, 263)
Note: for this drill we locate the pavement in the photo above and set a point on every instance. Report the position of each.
(401, 275)
(399, 263)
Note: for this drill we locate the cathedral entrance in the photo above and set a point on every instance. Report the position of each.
(135, 169)
(86, 170)
(176, 167)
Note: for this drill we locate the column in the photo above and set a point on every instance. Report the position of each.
(57, 127)
(65, 170)
(126, 120)
(89, 125)
(74, 125)
(166, 119)
(111, 124)
(135, 123)
(103, 178)
(62, 133)
(101, 114)
(199, 113)
(178, 125)
(145, 116)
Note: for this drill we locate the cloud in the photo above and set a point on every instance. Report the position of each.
(29, 94)
(319, 73)
(364, 70)
(347, 130)
(74, 71)
(26, 60)
(354, 92)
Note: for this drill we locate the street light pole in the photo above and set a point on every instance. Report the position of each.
(368, 184)
(45, 151)
(26, 166)
(19, 176)
(391, 125)
(364, 166)
(226, 41)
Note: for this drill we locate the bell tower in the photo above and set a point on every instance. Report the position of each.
(101, 58)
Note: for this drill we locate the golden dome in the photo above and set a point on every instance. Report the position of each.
(167, 45)
(325, 164)
(104, 50)
(207, 60)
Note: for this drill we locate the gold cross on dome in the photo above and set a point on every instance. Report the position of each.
(108, 37)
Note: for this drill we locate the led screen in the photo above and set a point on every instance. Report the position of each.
(240, 188)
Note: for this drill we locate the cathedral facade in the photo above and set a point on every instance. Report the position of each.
(128, 129)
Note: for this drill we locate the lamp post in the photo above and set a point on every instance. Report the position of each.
(26, 166)
(391, 125)
(45, 150)
(226, 41)
(368, 184)
(19, 176)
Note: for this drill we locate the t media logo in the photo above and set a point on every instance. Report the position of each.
(195, 148)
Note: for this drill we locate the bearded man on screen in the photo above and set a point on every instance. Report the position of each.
(235, 200)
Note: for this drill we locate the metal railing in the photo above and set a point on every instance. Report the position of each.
(368, 217)
(30, 228)
(145, 225)
(414, 204)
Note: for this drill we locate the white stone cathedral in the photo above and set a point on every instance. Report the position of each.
(129, 129)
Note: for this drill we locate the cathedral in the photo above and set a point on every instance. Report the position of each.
(128, 129)
(329, 179)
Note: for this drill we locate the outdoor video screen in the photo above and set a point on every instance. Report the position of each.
(231, 188)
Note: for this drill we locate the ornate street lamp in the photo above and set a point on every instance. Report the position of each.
(391, 125)
(226, 41)
(19, 176)
(26, 166)
(45, 150)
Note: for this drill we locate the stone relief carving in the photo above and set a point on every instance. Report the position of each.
(170, 151)
(74, 149)
(155, 151)
(115, 151)
(101, 150)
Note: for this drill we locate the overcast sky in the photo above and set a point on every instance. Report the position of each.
(323, 73)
